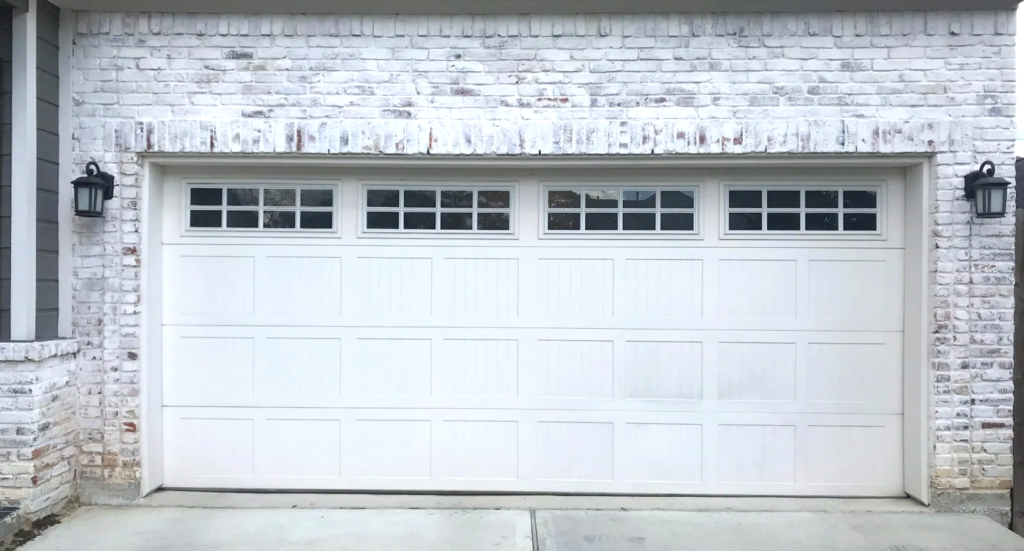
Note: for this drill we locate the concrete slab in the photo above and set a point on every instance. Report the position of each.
(241, 500)
(176, 529)
(681, 531)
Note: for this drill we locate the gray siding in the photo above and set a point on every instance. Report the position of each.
(5, 174)
(47, 175)
(47, 104)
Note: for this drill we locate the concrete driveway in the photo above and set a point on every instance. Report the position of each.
(192, 529)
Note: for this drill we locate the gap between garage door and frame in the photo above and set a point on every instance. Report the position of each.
(919, 173)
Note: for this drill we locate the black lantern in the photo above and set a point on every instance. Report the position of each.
(91, 190)
(988, 191)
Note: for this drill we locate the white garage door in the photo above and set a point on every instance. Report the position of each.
(697, 332)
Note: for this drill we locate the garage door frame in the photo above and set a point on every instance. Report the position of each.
(920, 171)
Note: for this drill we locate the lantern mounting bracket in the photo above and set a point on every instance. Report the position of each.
(93, 170)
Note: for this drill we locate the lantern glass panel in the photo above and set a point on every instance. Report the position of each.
(993, 201)
(89, 200)
(982, 201)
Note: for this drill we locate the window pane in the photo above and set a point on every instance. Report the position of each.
(382, 198)
(419, 221)
(602, 221)
(562, 221)
(677, 200)
(316, 220)
(457, 220)
(827, 199)
(860, 199)
(456, 199)
(243, 219)
(204, 219)
(639, 221)
(740, 199)
(494, 199)
(420, 198)
(317, 198)
(860, 221)
(781, 199)
(279, 197)
(822, 221)
(493, 221)
(639, 199)
(677, 221)
(278, 219)
(745, 221)
(783, 221)
(382, 220)
(563, 200)
(603, 199)
(206, 197)
(244, 197)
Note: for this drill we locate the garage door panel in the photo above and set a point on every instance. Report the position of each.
(294, 288)
(662, 452)
(663, 370)
(394, 287)
(480, 288)
(227, 289)
(854, 290)
(478, 450)
(482, 368)
(389, 367)
(208, 448)
(439, 450)
(664, 288)
(298, 449)
(757, 289)
(757, 371)
(849, 456)
(530, 323)
(204, 368)
(389, 449)
(854, 373)
(573, 287)
(790, 289)
(772, 371)
(573, 369)
(758, 454)
(299, 367)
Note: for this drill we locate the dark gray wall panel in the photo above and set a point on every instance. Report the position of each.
(49, 145)
(47, 87)
(48, 154)
(46, 207)
(5, 174)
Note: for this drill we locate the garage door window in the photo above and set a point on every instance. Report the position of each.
(270, 207)
(814, 210)
(620, 210)
(417, 209)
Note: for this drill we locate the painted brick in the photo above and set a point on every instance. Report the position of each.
(936, 83)
(39, 432)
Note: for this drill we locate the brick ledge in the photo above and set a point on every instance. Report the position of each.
(37, 351)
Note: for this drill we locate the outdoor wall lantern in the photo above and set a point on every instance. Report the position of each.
(91, 190)
(988, 191)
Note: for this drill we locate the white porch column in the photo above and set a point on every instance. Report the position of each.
(23, 175)
(64, 198)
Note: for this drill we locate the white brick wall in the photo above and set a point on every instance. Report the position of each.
(940, 83)
(38, 426)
